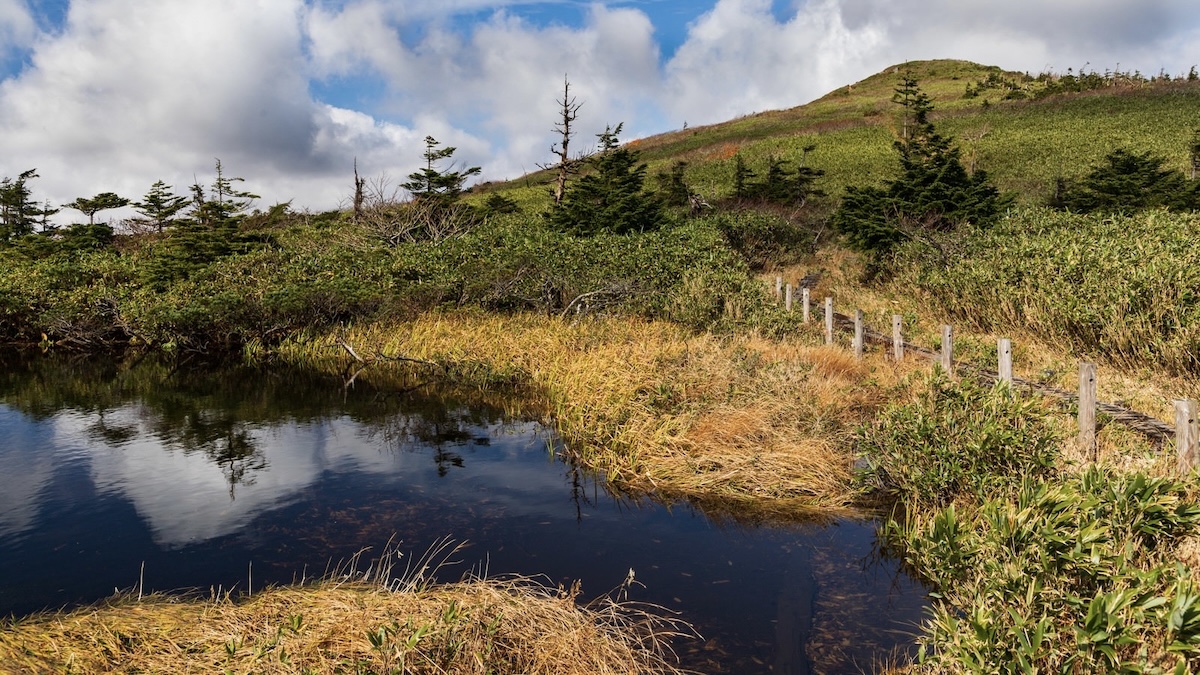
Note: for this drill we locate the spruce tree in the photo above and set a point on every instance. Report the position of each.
(432, 186)
(18, 211)
(933, 192)
(742, 175)
(672, 189)
(1128, 181)
(161, 205)
(610, 198)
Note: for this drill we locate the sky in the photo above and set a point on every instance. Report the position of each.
(113, 95)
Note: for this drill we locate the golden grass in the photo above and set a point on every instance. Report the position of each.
(730, 418)
(479, 626)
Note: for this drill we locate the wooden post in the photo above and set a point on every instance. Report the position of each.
(858, 334)
(806, 303)
(948, 349)
(787, 297)
(828, 321)
(1087, 408)
(1185, 435)
(778, 288)
(897, 337)
(1004, 357)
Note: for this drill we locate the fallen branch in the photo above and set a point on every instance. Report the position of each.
(383, 357)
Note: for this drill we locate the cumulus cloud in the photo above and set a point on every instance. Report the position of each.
(16, 24)
(131, 91)
(740, 58)
(500, 78)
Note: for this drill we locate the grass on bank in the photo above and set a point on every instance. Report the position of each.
(736, 418)
(476, 626)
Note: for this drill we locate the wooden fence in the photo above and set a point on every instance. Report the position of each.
(1184, 435)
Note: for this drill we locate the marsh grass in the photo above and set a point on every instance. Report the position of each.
(738, 419)
(354, 621)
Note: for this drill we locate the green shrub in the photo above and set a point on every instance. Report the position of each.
(1068, 577)
(764, 238)
(1125, 287)
(958, 439)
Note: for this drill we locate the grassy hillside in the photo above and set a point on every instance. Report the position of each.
(1024, 144)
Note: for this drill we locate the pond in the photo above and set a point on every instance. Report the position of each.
(114, 474)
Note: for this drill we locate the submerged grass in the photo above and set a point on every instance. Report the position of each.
(739, 418)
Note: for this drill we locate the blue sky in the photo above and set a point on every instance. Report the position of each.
(112, 95)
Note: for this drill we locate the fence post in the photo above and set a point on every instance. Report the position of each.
(897, 337)
(948, 349)
(828, 321)
(787, 297)
(1004, 356)
(805, 302)
(778, 288)
(1087, 408)
(858, 334)
(1185, 435)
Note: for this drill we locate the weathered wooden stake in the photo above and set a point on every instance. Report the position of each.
(1185, 435)
(778, 288)
(948, 349)
(858, 334)
(807, 304)
(1004, 356)
(787, 297)
(897, 337)
(828, 321)
(1087, 408)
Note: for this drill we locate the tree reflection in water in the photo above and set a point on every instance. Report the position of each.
(214, 410)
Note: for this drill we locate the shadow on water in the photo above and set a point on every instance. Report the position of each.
(207, 476)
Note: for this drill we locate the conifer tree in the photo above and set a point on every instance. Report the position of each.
(160, 205)
(742, 175)
(101, 202)
(672, 189)
(567, 165)
(610, 198)
(1129, 181)
(933, 192)
(18, 211)
(210, 231)
(432, 186)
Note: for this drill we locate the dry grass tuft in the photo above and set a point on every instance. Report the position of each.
(478, 626)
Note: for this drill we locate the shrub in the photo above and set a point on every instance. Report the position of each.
(958, 439)
(934, 192)
(1129, 181)
(1070, 577)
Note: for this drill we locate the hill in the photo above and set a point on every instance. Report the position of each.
(1024, 139)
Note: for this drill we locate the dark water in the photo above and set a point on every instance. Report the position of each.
(194, 478)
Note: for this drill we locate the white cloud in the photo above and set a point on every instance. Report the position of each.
(132, 91)
(17, 27)
(500, 79)
(739, 58)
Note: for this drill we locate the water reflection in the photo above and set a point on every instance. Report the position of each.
(196, 474)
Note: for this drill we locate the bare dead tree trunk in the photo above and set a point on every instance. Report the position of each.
(567, 165)
(359, 197)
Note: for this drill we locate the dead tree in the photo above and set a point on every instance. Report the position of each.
(359, 196)
(567, 164)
